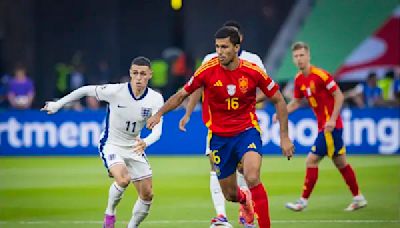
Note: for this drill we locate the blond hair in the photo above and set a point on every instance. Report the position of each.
(299, 45)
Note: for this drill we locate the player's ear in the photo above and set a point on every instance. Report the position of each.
(237, 48)
(150, 73)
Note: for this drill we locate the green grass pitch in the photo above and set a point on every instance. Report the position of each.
(72, 192)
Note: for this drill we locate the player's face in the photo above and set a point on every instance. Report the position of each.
(140, 76)
(226, 50)
(301, 58)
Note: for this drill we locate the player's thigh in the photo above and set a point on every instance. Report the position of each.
(223, 159)
(114, 162)
(138, 167)
(144, 188)
(313, 160)
(251, 168)
(120, 173)
(229, 187)
(339, 160)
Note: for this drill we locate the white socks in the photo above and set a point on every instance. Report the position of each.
(217, 195)
(139, 212)
(240, 180)
(114, 196)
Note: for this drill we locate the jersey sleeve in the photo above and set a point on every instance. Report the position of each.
(267, 85)
(330, 84)
(157, 130)
(297, 90)
(106, 92)
(195, 82)
(158, 104)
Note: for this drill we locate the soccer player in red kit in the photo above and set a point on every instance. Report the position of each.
(326, 99)
(230, 89)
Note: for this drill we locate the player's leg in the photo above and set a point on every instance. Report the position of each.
(141, 174)
(348, 174)
(143, 203)
(117, 169)
(251, 169)
(224, 163)
(217, 196)
(240, 177)
(247, 150)
(313, 158)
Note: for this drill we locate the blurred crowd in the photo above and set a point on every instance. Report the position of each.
(17, 89)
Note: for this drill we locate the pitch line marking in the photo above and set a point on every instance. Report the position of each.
(195, 221)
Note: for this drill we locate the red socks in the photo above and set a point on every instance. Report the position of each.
(350, 178)
(260, 200)
(309, 182)
(241, 197)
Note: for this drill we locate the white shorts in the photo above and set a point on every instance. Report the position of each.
(209, 134)
(138, 166)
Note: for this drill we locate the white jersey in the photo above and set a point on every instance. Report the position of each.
(251, 57)
(126, 114)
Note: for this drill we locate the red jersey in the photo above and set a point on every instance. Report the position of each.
(318, 87)
(230, 95)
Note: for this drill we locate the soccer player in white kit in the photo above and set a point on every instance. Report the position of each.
(121, 148)
(215, 189)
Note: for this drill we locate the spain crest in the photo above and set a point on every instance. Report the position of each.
(243, 84)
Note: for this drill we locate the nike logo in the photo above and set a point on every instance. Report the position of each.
(120, 106)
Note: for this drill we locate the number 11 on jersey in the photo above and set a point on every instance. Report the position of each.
(128, 124)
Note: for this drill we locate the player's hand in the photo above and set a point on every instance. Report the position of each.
(274, 118)
(51, 107)
(153, 121)
(287, 147)
(330, 125)
(140, 146)
(182, 123)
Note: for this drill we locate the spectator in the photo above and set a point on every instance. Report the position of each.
(21, 90)
(386, 84)
(366, 94)
(3, 91)
(77, 79)
(103, 72)
(396, 87)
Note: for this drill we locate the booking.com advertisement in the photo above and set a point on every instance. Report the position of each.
(71, 133)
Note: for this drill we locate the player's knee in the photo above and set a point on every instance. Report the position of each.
(252, 179)
(123, 181)
(147, 195)
(231, 195)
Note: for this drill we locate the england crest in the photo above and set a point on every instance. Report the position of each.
(146, 112)
(231, 89)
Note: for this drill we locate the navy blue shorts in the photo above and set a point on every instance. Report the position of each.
(227, 152)
(329, 143)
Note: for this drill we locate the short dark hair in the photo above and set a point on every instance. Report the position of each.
(299, 45)
(230, 32)
(235, 24)
(141, 61)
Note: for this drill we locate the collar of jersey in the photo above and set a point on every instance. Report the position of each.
(133, 95)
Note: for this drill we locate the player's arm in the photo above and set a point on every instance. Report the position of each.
(193, 100)
(293, 105)
(282, 115)
(53, 106)
(171, 104)
(337, 106)
(155, 134)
